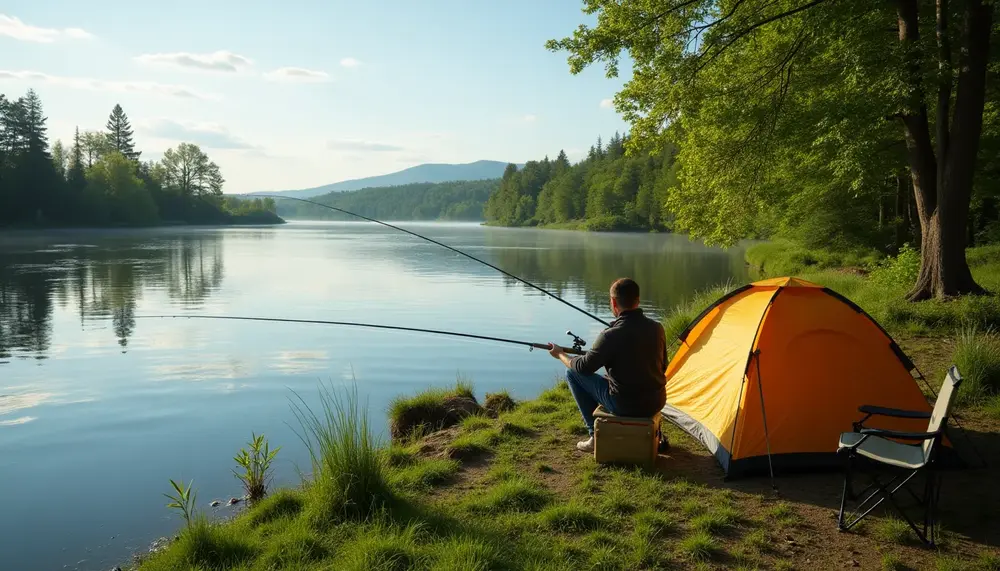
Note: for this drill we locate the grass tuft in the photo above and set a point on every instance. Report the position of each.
(988, 561)
(202, 544)
(713, 523)
(783, 514)
(892, 562)
(654, 524)
(431, 410)
(474, 444)
(756, 541)
(693, 506)
(893, 530)
(424, 474)
(279, 505)
(991, 407)
(475, 422)
(699, 546)
(513, 495)
(466, 554)
(570, 517)
(349, 472)
(977, 356)
(381, 548)
(295, 546)
(498, 403)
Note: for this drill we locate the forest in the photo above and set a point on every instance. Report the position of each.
(99, 179)
(606, 191)
(836, 124)
(458, 200)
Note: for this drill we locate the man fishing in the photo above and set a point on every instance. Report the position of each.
(633, 352)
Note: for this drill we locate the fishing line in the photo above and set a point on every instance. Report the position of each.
(570, 350)
(443, 245)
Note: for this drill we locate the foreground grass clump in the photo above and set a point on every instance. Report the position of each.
(349, 470)
(977, 356)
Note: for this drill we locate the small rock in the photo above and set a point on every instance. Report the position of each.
(215, 503)
(234, 501)
(854, 563)
(116, 568)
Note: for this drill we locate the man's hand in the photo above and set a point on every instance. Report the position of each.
(556, 350)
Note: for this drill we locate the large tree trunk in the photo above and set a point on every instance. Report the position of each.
(942, 185)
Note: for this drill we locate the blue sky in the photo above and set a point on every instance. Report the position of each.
(301, 93)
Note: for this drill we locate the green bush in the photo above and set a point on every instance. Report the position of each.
(897, 272)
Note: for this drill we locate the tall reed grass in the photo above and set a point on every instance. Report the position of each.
(350, 475)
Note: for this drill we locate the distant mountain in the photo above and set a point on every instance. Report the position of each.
(479, 170)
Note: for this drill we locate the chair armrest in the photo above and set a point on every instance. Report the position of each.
(882, 411)
(901, 435)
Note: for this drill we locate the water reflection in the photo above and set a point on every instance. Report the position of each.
(105, 279)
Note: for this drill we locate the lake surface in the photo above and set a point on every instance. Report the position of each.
(99, 406)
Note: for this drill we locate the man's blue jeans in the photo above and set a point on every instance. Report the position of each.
(590, 391)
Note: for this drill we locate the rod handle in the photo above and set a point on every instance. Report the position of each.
(568, 350)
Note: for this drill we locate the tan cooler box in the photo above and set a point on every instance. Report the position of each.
(625, 440)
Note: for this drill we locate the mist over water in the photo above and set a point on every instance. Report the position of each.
(99, 406)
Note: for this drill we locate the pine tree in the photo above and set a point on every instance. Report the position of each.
(59, 158)
(120, 134)
(74, 173)
(35, 132)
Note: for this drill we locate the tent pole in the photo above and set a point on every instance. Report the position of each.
(767, 437)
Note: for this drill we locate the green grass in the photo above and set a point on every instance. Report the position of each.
(893, 530)
(715, 522)
(988, 561)
(892, 562)
(475, 422)
(405, 506)
(570, 517)
(474, 443)
(977, 356)
(783, 514)
(700, 546)
(348, 467)
(424, 474)
(411, 416)
(516, 494)
(991, 407)
(786, 258)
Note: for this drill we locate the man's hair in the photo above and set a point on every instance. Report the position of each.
(626, 292)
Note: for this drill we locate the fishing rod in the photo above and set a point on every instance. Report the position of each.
(576, 349)
(443, 245)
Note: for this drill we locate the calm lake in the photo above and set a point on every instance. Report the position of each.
(99, 406)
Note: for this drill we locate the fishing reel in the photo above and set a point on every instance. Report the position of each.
(577, 342)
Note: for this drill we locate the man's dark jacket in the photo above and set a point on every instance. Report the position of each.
(633, 350)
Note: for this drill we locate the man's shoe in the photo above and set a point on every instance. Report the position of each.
(586, 445)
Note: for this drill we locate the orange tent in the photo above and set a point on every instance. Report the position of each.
(774, 371)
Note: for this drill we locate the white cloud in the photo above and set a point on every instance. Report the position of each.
(223, 61)
(297, 74)
(349, 62)
(529, 118)
(352, 145)
(208, 135)
(14, 28)
(607, 103)
(91, 84)
(16, 421)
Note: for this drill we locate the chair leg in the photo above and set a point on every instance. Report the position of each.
(848, 465)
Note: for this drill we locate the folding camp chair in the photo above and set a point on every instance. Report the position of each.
(906, 460)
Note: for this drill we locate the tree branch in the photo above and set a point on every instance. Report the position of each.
(741, 33)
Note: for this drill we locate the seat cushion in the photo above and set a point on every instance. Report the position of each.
(885, 451)
(601, 412)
